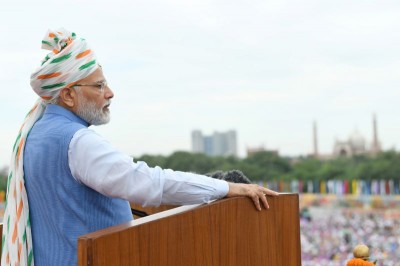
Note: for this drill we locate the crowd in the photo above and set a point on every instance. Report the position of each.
(329, 236)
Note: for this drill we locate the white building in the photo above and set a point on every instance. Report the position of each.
(217, 144)
(356, 144)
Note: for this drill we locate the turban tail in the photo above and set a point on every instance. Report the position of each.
(70, 61)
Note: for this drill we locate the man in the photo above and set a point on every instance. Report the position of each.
(74, 181)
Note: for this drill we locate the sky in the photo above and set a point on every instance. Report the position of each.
(266, 69)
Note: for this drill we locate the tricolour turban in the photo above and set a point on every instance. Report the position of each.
(70, 60)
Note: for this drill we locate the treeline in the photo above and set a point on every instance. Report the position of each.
(264, 166)
(3, 179)
(267, 166)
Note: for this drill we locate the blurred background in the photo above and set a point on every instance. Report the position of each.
(299, 95)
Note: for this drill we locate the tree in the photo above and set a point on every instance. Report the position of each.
(3, 179)
(270, 166)
(153, 160)
(266, 165)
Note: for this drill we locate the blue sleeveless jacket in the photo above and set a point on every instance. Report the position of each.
(62, 209)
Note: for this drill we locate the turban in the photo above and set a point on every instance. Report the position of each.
(69, 61)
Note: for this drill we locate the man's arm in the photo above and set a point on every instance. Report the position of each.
(95, 163)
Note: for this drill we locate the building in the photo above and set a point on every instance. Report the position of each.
(254, 150)
(217, 144)
(356, 144)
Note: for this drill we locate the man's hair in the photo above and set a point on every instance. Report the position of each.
(234, 176)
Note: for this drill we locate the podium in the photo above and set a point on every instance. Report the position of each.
(225, 232)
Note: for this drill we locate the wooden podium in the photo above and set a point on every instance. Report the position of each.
(226, 232)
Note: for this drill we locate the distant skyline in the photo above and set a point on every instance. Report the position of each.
(266, 69)
(217, 144)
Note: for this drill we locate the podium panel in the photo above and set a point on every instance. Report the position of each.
(226, 232)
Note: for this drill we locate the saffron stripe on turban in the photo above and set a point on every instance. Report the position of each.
(71, 60)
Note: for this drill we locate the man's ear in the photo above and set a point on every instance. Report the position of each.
(68, 97)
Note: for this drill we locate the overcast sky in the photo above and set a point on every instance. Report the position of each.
(264, 68)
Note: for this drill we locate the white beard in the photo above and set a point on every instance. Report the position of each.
(88, 111)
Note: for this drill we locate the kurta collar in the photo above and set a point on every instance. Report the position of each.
(59, 110)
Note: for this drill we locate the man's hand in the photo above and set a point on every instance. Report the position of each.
(253, 191)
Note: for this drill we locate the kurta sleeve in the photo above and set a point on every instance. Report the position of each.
(94, 162)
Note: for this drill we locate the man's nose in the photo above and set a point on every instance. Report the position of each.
(108, 93)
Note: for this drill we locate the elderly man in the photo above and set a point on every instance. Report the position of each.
(65, 180)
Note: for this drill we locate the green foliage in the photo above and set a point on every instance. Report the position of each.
(3, 179)
(270, 166)
(266, 165)
(183, 161)
(385, 166)
(153, 160)
(305, 169)
(186, 161)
